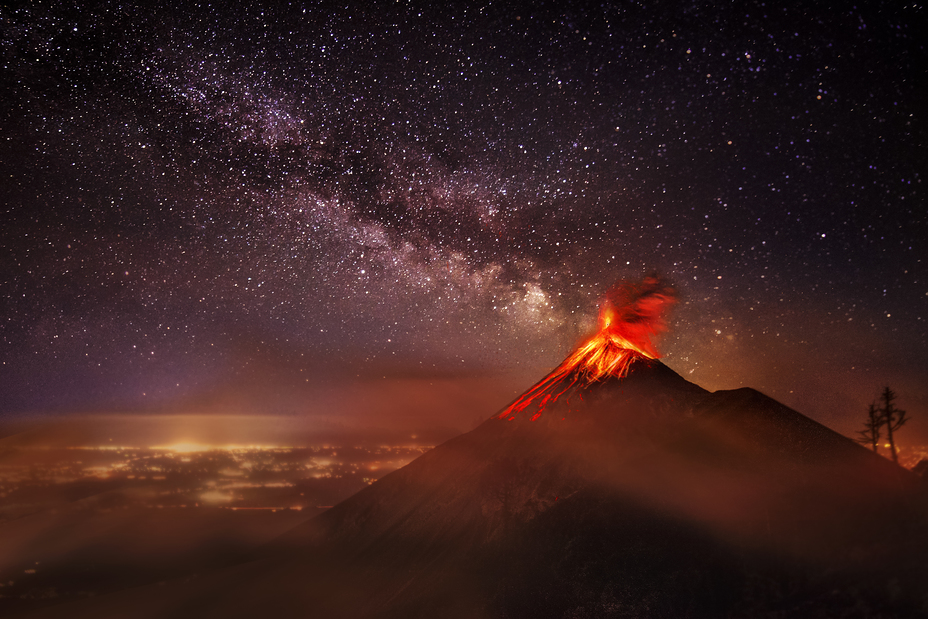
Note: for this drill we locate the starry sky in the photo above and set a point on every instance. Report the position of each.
(240, 203)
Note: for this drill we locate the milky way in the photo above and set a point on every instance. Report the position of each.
(191, 195)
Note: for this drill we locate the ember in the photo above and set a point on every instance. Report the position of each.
(631, 314)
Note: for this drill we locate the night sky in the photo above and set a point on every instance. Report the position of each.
(265, 201)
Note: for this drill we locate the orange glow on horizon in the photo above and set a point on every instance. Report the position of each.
(189, 447)
(631, 314)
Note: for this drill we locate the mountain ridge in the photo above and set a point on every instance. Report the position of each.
(639, 496)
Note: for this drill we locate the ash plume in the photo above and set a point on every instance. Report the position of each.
(631, 314)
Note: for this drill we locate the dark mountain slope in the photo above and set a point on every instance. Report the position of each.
(647, 493)
(642, 496)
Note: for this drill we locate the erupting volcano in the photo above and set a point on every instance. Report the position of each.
(647, 496)
(631, 314)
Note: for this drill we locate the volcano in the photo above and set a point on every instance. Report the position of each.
(612, 488)
(646, 497)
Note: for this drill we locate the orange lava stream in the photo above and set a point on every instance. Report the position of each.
(630, 315)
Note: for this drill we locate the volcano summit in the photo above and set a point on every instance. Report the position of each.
(613, 488)
(630, 315)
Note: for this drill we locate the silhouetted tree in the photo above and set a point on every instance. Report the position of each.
(870, 435)
(892, 417)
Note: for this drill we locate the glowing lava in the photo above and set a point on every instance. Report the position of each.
(631, 314)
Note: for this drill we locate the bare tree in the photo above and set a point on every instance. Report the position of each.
(892, 417)
(870, 435)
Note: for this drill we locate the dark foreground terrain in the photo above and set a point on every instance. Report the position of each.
(638, 497)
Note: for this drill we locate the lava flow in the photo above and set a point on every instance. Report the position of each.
(630, 315)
